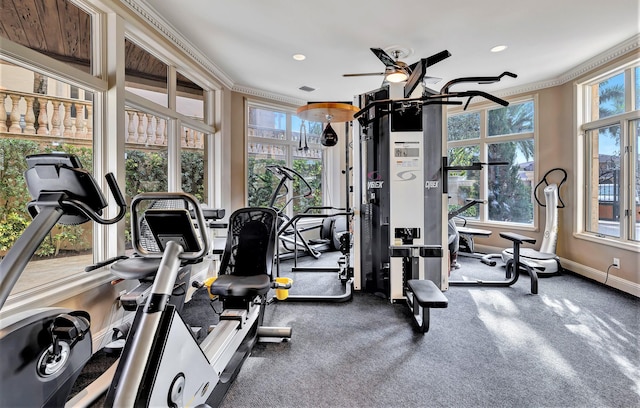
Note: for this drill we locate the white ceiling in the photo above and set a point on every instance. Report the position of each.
(252, 41)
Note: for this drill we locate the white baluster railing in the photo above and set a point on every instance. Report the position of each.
(51, 118)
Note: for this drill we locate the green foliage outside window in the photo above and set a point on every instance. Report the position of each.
(145, 172)
(192, 163)
(262, 183)
(14, 197)
(311, 170)
(509, 197)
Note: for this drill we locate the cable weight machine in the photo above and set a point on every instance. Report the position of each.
(403, 201)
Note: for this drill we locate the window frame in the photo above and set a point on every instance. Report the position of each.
(483, 142)
(109, 97)
(97, 83)
(583, 91)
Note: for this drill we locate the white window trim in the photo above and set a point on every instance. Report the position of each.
(581, 103)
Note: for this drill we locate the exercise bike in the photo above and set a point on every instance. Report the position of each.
(162, 363)
(45, 349)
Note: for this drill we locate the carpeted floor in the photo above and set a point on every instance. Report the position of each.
(575, 344)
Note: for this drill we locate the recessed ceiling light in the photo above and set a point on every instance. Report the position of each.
(499, 48)
(299, 57)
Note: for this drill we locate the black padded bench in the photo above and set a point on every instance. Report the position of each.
(423, 294)
(467, 241)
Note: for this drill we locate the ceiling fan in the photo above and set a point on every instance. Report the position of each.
(399, 71)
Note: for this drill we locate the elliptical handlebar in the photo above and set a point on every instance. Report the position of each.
(284, 174)
(117, 195)
(290, 174)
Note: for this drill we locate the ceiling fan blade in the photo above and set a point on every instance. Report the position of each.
(435, 58)
(431, 80)
(363, 74)
(384, 57)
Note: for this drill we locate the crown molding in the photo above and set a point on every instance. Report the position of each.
(589, 65)
(143, 10)
(603, 58)
(268, 95)
(146, 12)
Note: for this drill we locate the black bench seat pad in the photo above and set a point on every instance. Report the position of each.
(427, 293)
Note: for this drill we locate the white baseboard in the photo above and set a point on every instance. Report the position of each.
(600, 276)
(583, 270)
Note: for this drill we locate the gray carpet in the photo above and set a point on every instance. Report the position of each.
(575, 344)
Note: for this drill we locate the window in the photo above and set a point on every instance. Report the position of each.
(193, 163)
(189, 98)
(155, 134)
(58, 99)
(276, 136)
(37, 26)
(145, 74)
(610, 124)
(504, 135)
(38, 118)
(146, 153)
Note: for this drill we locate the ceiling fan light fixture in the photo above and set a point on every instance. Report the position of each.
(397, 75)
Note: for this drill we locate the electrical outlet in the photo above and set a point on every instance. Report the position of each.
(616, 263)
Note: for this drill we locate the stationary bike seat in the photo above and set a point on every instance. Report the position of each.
(136, 267)
(240, 286)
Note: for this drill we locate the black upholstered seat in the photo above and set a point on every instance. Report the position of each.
(241, 286)
(245, 270)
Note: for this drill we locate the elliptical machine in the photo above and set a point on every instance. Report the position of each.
(334, 235)
(332, 228)
(44, 350)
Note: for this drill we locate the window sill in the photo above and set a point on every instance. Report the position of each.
(500, 226)
(627, 246)
(51, 294)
